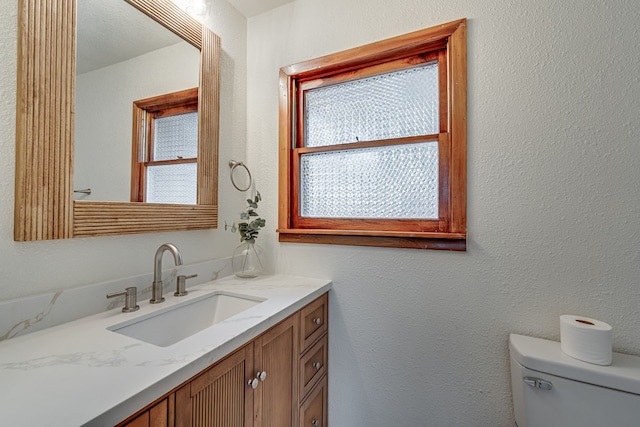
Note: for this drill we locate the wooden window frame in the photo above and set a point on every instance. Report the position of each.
(447, 42)
(145, 111)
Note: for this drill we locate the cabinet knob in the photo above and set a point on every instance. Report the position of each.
(317, 321)
(315, 423)
(255, 382)
(317, 365)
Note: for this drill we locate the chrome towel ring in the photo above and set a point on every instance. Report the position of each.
(233, 164)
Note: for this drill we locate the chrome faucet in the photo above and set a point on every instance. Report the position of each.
(156, 290)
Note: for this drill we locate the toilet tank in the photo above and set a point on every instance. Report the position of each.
(551, 389)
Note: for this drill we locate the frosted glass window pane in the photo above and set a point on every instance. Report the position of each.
(176, 136)
(393, 105)
(175, 183)
(393, 182)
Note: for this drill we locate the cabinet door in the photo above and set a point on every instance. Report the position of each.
(220, 396)
(276, 353)
(158, 415)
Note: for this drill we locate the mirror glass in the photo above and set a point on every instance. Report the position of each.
(122, 56)
(45, 115)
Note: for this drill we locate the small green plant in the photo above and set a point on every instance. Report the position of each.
(251, 221)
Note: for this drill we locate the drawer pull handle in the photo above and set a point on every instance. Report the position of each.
(253, 383)
(317, 365)
(315, 423)
(261, 375)
(317, 321)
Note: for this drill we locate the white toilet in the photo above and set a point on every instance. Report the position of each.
(551, 389)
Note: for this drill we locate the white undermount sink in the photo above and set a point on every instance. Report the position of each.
(166, 327)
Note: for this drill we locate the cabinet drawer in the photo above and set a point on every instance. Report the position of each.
(314, 321)
(313, 412)
(313, 365)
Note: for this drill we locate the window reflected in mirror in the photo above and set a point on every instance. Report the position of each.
(165, 149)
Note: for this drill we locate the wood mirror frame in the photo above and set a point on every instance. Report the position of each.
(45, 105)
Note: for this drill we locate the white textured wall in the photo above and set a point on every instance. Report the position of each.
(419, 338)
(37, 267)
(103, 122)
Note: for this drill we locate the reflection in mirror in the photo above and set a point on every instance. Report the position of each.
(122, 56)
(44, 205)
(165, 148)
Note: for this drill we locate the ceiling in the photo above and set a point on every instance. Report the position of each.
(113, 31)
(251, 8)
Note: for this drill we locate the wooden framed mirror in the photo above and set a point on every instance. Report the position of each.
(44, 205)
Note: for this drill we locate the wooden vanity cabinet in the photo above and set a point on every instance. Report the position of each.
(159, 415)
(313, 411)
(276, 353)
(223, 395)
(220, 395)
(313, 366)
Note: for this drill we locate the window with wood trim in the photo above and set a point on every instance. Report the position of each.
(373, 144)
(165, 148)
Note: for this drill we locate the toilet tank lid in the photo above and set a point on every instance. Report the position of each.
(546, 356)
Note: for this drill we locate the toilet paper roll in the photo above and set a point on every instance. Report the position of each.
(586, 339)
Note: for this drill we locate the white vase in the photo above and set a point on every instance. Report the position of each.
(247, 260)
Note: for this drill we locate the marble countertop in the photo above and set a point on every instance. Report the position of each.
(80, 373)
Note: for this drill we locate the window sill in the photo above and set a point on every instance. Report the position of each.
(389, 239)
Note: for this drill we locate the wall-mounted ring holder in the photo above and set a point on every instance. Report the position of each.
(233, 165)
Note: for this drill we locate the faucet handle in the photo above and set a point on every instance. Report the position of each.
(130, 299)
(181, 285)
